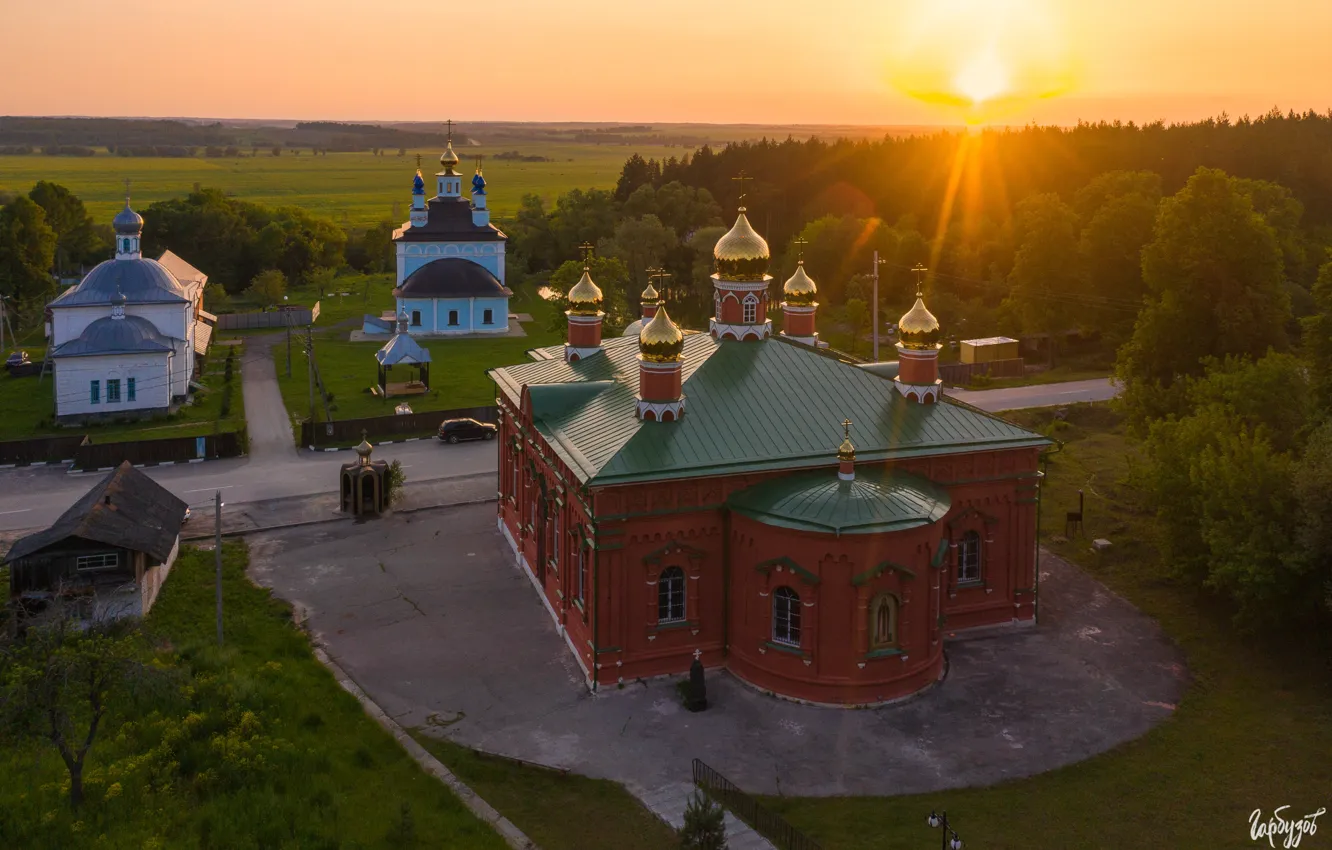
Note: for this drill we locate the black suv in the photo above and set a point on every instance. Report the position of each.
(453, 430)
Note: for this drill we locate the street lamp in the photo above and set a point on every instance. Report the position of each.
(950, 840)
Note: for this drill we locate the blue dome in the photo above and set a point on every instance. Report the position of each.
(418, 185)
(110, 335)
(140, 281)
(127, 222)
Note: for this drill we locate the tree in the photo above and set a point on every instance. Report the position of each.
(641, 243)
(636, 172)
(1110, 253)
(59, 683)
(530, 236)
(612, 278)
(704, 824)
(1214, 279)
(27, 253)
(1318, 341)
(372, 250)
(1045, 269)
(581, 216)
(77, 241)
(857, 317)
(267, 288)
(1111, 185)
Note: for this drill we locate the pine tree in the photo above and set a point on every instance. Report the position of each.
(704, 824)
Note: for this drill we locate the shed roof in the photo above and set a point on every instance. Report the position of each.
(749, 406)
(126, 509)
(989, 340)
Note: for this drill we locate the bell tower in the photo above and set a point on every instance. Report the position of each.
(449, 180)
(584, 314)
(918, 350)
(798, 304)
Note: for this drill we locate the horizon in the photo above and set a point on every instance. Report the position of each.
(1050, 62)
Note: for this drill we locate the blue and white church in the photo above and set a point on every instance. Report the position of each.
(450, 259)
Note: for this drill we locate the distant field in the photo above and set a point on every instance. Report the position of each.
(351, 188)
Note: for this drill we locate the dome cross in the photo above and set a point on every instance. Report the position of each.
(741, 178)
(587, 250)
(920, 270)
(800, 243)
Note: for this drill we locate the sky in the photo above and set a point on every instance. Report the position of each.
(878, 62)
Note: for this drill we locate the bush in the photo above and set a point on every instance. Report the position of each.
(704, 824)
(267, 288)
(393, 483)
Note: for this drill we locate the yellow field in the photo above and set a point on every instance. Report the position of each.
(351, 188)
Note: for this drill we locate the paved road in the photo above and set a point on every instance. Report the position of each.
(275, 469)
(33, 497)
(1039, 395)
(266, 418)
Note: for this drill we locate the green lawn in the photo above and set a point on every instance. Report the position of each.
(457, 373)
(29, 403)
(557, 811)
(1253, 731)
(352, 188)
(256, 747)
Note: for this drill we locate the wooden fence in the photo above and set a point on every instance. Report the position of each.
(346, 432)
(295, 317)
(958, 374)
(169, 450)
(40, 450)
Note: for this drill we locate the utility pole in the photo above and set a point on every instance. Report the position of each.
(286, 320)
(874, 316)
(309, 362)
(217, 556)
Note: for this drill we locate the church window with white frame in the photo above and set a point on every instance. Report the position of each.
(750, 309)
(671, 596)
(969, 558)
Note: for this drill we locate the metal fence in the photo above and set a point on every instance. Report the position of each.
(771, 826)
(346, 432)
(296, 317)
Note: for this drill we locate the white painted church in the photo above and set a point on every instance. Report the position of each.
(450, 261)
(124, 340)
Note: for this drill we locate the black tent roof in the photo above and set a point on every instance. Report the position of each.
(126, 509)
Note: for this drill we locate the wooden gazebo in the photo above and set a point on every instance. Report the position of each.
(412, 360)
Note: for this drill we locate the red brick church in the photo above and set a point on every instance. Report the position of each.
(815, 525)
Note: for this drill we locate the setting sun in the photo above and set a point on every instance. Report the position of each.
(984, 77)
(982, 59)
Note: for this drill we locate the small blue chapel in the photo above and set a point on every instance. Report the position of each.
(450, 260)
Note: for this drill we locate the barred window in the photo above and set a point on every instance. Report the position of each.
(786, 616)
(671, 596)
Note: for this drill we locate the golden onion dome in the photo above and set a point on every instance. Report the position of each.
(649, 294)
(741, 254)
(846, 451)
(661, 340)
(800, 289)
(585, 297)
(918, 329)
(448, 159)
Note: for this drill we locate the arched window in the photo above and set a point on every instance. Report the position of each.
(751, 309)
(969, 558)
(671, 595)
(883, 622)
(786, 616)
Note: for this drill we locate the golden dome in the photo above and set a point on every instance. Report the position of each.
(800, 289)
(918, 329)
(649, 294)
(585, 297)
(846, 451)
(661, 340)
(741, 254)
(449, 159)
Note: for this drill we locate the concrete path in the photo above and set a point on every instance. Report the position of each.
(266, 418)
(429, 614)
(1038, 395)
(669, 802)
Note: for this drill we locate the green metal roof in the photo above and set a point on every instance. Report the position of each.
(749, 406)
(820, 501)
